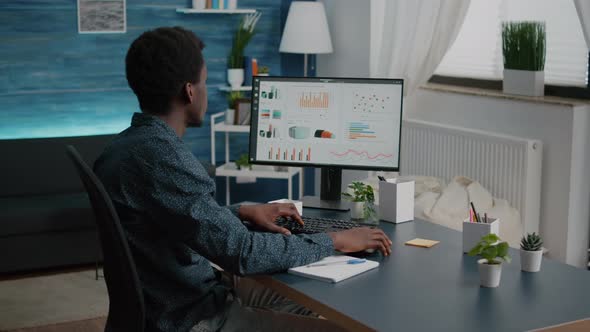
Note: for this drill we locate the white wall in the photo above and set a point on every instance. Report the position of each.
(564, 131)
(349, 22)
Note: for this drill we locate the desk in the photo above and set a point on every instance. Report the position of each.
(437, 289)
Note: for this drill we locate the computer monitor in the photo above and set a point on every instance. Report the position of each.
(332, 123)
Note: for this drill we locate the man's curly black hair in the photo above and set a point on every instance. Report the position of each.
(159, 63)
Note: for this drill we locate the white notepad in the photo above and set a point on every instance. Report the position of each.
(337, 271)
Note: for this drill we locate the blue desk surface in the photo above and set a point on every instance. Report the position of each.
(437, 289)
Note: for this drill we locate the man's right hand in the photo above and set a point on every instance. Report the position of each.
(362, 238)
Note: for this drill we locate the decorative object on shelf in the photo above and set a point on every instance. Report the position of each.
(248, 73)
(305, 19)
(243, 111)
(493, 251)
(102, 16)
(235, 60)
(523, 48)
(231, 4)
(243, 162)
(199, 4)
(263, 71)
(531, 252)
(363, 201)
(230, 112)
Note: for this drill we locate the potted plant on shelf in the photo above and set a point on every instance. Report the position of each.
(362, 199)
(235, 60)
(523, 48)
(531, 252)
(243, 163)
(493, 252)
(263, 71)
(230, 112)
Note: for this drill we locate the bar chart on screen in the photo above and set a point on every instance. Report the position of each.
(289, 153)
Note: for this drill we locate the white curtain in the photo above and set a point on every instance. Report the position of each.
(414, 36)
(583, 8)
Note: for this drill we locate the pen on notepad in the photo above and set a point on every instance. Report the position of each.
(350, 261)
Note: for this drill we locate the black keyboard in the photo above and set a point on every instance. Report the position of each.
(316, 225)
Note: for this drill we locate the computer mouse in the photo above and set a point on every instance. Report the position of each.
(370, 250)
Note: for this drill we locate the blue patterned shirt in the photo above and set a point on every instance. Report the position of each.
(166, 203)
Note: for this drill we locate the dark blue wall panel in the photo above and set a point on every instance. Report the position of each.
(56, 82)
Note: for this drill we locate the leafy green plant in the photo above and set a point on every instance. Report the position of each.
(523, 45)
(241, 39)
(232, 96)
(531, 242)
(490, 248)
(362, 193)
(263, 70)
(243, 161)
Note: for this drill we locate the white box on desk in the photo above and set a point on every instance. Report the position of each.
(474, 231)
(396, 200)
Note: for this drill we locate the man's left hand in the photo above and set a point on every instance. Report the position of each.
(264, 216)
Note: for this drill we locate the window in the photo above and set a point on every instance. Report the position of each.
(477, 51)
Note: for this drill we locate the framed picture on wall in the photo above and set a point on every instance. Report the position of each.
(243, 109)
(102, 16)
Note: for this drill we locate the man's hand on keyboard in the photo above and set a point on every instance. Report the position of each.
(264, 216)
(359, 239)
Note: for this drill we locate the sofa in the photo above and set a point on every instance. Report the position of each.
(45, 216)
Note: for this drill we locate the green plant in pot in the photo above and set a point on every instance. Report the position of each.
(235, 59)
(230, 112)
(531, 252)
(523, 48)
(363, 199)
(493, 252)
(243, 162)
(263, 71)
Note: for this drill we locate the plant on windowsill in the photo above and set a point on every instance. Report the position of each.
(493, 251)
(523, 48)
(235, 59)
(531, 252)
(363, 201)
(230, 112)
(243, 163)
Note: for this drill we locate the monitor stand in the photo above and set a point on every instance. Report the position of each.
(330, 193)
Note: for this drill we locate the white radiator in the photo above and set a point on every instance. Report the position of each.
(509, 167)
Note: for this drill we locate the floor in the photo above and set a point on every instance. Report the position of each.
(44, 301)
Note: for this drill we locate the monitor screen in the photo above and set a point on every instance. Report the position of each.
(326, 122)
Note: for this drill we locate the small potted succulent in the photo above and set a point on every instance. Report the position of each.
(263, 71)
(531, 252)
(493, 251)
(243, 163)
(363, 201)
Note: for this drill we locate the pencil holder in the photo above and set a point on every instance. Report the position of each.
(473, 232)
(396, 200)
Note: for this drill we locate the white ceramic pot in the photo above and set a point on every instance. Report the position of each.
(489, 274)
(356, 210)
(530, 261)
(235, 77)
(232, 4)
(230, 114)
(524, 82)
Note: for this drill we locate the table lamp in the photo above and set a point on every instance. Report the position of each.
(306, 31)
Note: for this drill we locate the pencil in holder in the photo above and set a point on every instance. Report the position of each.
(474, 231)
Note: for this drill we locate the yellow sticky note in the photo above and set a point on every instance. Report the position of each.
(417, 242)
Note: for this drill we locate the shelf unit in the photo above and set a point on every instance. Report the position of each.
(228, 169)
(229, 88)
(215, 11)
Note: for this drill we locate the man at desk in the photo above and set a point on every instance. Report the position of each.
(174, 226)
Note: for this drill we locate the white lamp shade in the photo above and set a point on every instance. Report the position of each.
(306, 30)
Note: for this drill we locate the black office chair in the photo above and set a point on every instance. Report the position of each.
(126, 306)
